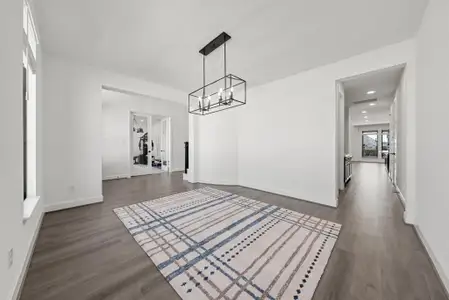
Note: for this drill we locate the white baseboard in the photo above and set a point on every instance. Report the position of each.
(177, 170)
(120, 176)
(287, 194)
(216, 182)
(436, 265)
(407, 217)
(73, 203)
(26, 264)
(401, 196)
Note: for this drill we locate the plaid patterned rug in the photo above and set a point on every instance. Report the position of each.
(211, 244)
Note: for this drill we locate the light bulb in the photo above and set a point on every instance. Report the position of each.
(200, 102)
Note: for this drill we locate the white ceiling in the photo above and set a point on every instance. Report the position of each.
(384, 83)
(378, 115)
(271, 39)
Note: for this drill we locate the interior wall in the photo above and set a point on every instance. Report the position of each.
(347, 131)
(216, 144)
(72, 134)
(194, 144)
(401, 136)
(115, 160)
(303, 163)
(340, 137)
(356, 132)
(432, 70)
(116, 114)
(15, 233)
(73, 143)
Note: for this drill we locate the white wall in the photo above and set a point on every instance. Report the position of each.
(216, 144)
(347, 131)
(405, 140)
(116, 109)
(194, 144)
(304, 127)
(72, 134)
(432, 127)
(340, 137)
(14, 233)
(115, 143)
(356, 133)
(73, 144)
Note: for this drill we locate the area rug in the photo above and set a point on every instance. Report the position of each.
(211, 244)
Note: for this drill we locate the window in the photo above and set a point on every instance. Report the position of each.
(29, 103)
(29, 29)
(385, 142)
(369, 144)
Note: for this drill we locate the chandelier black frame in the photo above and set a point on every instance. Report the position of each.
(225, 98)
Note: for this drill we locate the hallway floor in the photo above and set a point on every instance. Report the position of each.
(86, 252)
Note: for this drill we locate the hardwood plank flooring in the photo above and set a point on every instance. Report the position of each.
(86, 252)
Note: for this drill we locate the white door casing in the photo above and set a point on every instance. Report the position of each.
(166, 144)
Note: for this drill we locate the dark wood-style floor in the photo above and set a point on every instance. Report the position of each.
(86, 252)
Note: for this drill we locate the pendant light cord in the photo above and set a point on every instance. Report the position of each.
(224, 59)
(204, 76)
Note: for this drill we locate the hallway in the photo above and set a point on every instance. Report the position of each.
(86, 253)
(380, 256)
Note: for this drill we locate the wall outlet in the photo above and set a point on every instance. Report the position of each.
(10, 257)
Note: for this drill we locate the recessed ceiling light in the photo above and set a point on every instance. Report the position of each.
(366, 120)
(370, 92)
(366, 117)
(372, 104)
(363, 111)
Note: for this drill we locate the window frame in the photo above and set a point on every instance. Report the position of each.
(385, 132)
(29, 105)
(370, 132)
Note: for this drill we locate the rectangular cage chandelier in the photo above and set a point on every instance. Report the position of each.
(224, 93)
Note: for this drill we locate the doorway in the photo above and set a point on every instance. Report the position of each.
(137, 135)
(366, 124)
(150, 144)
(140, 136)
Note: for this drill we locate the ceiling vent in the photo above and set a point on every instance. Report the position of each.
(365, 101)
